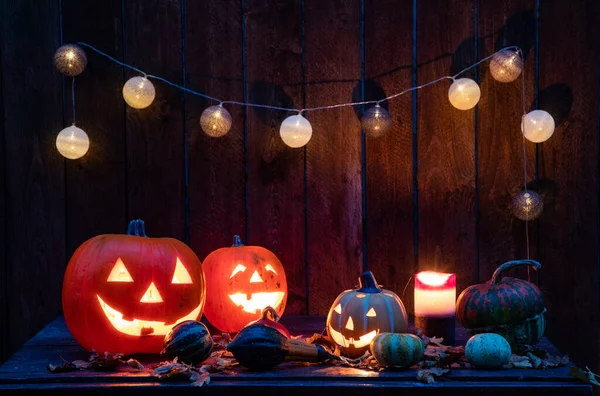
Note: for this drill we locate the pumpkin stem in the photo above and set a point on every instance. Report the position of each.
(237, 241)
(509, 264)
(367, 283)
(270, 313)
(136, 228)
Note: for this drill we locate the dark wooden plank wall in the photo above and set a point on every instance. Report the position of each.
(434, 194)
(34, 174)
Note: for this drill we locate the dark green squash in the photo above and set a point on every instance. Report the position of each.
(511, 307)
(397, 350)
(189, 341)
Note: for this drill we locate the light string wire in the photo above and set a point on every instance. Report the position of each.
(523, 102)
(291, 109)
(73, 98)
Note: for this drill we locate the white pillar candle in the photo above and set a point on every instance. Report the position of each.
(435, 294)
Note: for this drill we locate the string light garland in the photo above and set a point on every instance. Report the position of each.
(215, 121)
(70, 60)
(376, 121)
(139, 92)
(464, 94)
(527, 205)
(505, 66)
(538, 126)
(295, 131)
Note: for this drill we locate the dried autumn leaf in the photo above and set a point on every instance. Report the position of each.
(134, 364)
(555, 360)
(106, 362)
(62, 368)
(200, 379)
(81, 364)
(522, 365)
(427, 375)
(585, 375)
(536, 362)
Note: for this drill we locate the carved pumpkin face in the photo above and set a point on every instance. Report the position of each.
(241, 282)
(124, 293)
(358, 316)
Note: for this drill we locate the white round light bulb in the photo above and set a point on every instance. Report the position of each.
(537, 126)
(72, 142)
(295, 131)
(139, 92)
(464, 94)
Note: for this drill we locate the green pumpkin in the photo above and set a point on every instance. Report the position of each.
(511, 307)
(398, 350)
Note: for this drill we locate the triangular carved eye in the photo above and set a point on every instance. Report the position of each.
(119, 273)
(371, 313)
(181, 275)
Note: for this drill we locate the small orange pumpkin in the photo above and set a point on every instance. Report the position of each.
(241, 281)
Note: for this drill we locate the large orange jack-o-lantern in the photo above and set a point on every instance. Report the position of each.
(357, 316)
(123, 293)
(241, 282)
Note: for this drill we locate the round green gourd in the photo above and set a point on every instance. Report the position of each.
(189, 341)
(399, 350)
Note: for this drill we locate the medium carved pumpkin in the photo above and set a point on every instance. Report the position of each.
(358, 316)
(511, 307)
(124, 293)
(241, 282)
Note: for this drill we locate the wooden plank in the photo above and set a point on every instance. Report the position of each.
(389, 167)
(26, 370)
(34, 187)
(275, 171)
(500, 145)
(4, 353)
(333, 156)
(216, 190)
(155, 135)
(96, 184)
(568, 165)
(446, 144)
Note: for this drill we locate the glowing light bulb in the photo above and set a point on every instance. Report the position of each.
(72, 142)
(215, 121)
(376, 121)
(464, 94)
(537, 126)
(527, 205)
(139, 92)
(295, 131)
(70, 60)
(506, 66)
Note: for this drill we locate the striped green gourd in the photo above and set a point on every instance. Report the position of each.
(398, 350)
(189, 341)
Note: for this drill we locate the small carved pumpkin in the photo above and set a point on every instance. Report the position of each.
(357, 316)
(241, 282)
(511, 307)
(124, 293)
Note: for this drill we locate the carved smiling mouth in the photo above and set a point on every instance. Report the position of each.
(139, 327)
(257, 301)
(362, 342)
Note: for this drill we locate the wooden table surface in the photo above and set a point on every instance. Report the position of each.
(26, 372)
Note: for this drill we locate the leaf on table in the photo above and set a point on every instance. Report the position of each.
(81, 364)
(221, 341)
(173, 371)
(521, 365)
(200, 379)
(325, 341)
(586, 375)
(134, 364)
(556, 360)
(536, 362)
(106, 361)
(65, 367)
(428, 375)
